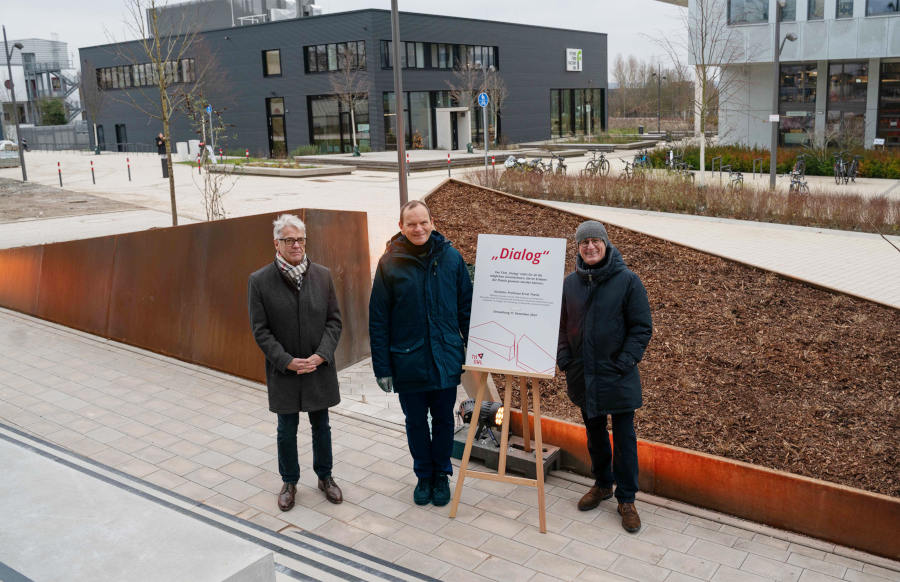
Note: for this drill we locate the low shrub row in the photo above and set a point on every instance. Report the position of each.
(819, 209)
(874, 163)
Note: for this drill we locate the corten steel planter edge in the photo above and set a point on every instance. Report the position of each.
(657, 237)
(837, 513)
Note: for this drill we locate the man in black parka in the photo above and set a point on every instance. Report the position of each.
(296, 322)
(604, 329)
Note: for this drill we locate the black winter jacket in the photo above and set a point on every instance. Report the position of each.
(419, 314)
(604, 328)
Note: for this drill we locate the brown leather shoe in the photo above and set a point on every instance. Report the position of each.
(593, 497)
(286, 496)
(631, 521)
(332, 491)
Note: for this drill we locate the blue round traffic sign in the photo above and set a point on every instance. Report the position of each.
(483, 99)
(209, 108)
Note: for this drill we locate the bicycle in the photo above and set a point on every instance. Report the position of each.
(840, 168)
(852, 171)
(627, 171)
(560, 164)
(642, 160)
(798, 184)
(597, 165)
(735, 180)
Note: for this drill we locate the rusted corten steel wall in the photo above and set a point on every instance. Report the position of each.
(843, 515)
(182, 291)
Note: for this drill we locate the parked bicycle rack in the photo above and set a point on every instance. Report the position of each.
(755, 160)
(725, 168)
(713, 165)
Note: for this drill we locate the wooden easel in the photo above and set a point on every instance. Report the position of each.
(501, 475)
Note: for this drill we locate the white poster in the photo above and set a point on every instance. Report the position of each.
(516, 304)
(573, 59)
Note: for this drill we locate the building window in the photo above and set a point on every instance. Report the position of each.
(576, 112)
(844, 9)
(797, 104)
(145, 74)
(418, 118)
(798, 83)
(848, 83)
(889, 104)
(748, 11)
(271, 63)
(789, 12)
(330, 122)
(430, 55)
(815, 10)
(876, 7)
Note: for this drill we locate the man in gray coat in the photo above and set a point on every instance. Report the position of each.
(296, 322)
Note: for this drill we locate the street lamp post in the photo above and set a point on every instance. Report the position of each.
(659, 80)
(399, 101)
(12, 92)
(776, 78)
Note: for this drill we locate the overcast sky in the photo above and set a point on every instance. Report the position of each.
(627, 22)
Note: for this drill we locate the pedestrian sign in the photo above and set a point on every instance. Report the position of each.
(483, 99)
(209, 108)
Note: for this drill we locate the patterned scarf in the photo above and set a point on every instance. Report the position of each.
(295, 273)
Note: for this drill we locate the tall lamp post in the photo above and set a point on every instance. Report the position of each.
(776, 80)
(659, 80)
(399, 101)
(12, 92)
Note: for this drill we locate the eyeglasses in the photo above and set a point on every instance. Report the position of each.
(590, 241)
(293, 241)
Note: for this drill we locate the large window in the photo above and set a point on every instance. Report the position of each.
(797, 103)
(889, 104)
(798, 83)
(576, 112)
(271, 63)
(876, 7)
(815, 10)
(789, 12)
(418, 118)
(748, 11)
(145, 74)
(432, 55)
(844, 9)
(848, 83)
(335, 56)
(330, 124)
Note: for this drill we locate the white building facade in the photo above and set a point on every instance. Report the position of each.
(839, 80)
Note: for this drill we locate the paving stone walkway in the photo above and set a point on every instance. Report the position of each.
(210, 438)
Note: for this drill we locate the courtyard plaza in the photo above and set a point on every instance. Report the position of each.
(192, 438)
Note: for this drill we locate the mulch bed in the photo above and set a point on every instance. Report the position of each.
(743, 363)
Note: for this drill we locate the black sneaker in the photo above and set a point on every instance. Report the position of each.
(422, 493)
(441, 494)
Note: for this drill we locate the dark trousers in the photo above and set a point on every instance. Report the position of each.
(288, 466)
(430, 449)
(618, 464)
(165, 166)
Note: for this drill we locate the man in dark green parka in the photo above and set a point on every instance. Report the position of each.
(418, 323)
(604, 328)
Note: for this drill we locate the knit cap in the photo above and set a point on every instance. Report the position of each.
(591, 229)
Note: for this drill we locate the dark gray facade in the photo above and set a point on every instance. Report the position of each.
(532, 62)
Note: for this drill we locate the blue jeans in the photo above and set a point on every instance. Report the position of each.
(288, 466)
(617, 464)
(430, 449)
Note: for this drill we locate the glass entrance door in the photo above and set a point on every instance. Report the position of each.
(276, 126)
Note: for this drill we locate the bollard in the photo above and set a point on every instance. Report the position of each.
(407, 163)
(198, 164)
(220, 152)
(247, 153)
(493, 169)
(128, 161)
(448, 164)
(93, 178)
(59, 169)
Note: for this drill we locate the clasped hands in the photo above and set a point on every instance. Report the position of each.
(305, 365)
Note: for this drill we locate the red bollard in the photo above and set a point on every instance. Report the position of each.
(492, 162)
(128, 161)
(247, 153)
(198, 164)
(59, 169)
(448, 164)
(407, 163)
(93, 178)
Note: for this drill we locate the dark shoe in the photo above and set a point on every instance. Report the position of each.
(440, 495)
(286, 497)
(630, 519)
(422, 493)
(593, 497)
(332, 491)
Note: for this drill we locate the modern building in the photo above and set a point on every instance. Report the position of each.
(273, 82)
(839, 77)
(40, 70)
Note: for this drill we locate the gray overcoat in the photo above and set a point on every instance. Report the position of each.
(288, 324)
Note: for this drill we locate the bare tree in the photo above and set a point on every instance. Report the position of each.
(92, 97)
(162, 57)
(497, 90)
(213, 185)
(712, 48)
(351, 85)
(467, 80)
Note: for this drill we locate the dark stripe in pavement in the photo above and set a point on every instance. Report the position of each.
(7, 574)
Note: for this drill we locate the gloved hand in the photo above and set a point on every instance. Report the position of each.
(386, 383)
